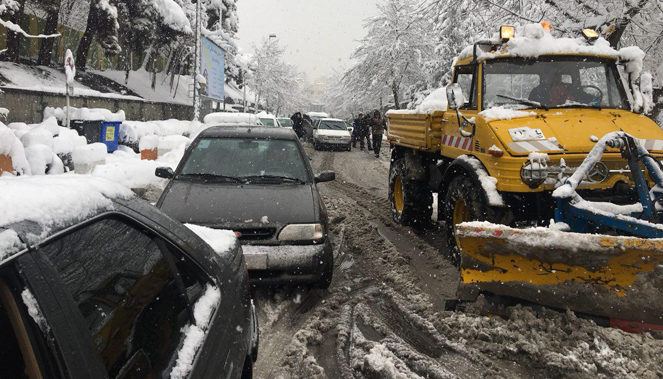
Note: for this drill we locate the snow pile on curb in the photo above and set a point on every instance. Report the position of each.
(87, 114)
(502, 113)
(11, 146)
(195, 334)
(133, 131)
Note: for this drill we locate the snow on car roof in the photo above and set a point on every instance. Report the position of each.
(531, 41)
(52, 202)
(232, 118)
(331, 119)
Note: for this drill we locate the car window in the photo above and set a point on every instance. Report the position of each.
(245, 158)
(332, 125)
(127, 292)
(267, 121)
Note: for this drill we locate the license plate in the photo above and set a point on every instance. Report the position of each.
(256, 261)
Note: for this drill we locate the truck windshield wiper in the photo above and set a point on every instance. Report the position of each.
(281, 179)
(213, 177)
(523, 101)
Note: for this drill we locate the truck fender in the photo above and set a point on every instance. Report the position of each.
(472, 167)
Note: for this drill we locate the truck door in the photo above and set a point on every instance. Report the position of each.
(453, 142)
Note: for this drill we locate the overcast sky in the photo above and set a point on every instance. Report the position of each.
(318, 35)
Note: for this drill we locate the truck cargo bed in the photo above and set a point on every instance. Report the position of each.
(415, 130)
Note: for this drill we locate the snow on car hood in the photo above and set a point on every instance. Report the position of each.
(572, 130)
(232, 206)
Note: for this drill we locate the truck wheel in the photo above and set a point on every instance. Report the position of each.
(411, 201)
(464, 200)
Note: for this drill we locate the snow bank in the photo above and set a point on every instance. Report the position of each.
(501, 113)
(220, 240)
(68, 197)
(11, 146)
(134, 131)
(87, 157)
(150, 142)
(195, 334)
(88, 114)
(171, 143)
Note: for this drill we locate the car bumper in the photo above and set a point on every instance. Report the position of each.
(343, 141)
(287, 263)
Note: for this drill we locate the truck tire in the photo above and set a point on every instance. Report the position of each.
(410, 200)
(464, 200)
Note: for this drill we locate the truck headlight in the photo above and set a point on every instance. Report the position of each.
(534, 172)
(301, 232)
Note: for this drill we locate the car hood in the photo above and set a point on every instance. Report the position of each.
(231, 206)
(572, 130)
(336, 133)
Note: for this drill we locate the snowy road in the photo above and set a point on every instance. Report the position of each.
(383, 315)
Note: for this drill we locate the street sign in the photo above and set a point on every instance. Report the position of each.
(212, 68)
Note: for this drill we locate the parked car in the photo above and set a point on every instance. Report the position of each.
(331, 132)
(269, 120)
(229, 118)
(259, 183)
(285, 122)
(96, 283)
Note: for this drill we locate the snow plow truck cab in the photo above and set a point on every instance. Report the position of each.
(519, 119)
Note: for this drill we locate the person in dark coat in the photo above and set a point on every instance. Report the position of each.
(378, 126)
(307, 126)
(356, 131)
(297, 125)
(365, 132)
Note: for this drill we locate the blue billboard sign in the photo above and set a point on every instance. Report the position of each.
(212, 67)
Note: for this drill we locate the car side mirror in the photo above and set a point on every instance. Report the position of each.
(455, 97)
(325, 176)
(164, 172)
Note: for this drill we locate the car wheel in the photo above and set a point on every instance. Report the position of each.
(326, 278)
(349, 148)
(247, 370)
(316, 146)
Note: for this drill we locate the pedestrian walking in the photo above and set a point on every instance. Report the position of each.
(357, 130)
(366, 132)
(297, 124)
(377, 129)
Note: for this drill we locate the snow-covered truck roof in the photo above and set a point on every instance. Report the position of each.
(534, 40)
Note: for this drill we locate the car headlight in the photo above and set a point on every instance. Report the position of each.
(301, 232)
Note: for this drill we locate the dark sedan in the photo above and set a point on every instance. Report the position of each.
(259, 183)
(95, 286)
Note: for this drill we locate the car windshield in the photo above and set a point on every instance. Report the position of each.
(332, 125)
(285, 122)
(267, 121)
(246, 159)
(554, 82)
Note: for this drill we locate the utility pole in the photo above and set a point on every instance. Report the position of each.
(196, 68)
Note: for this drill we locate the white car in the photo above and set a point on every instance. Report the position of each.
(331, 132)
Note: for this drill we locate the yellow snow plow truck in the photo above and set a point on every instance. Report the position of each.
(548, 177)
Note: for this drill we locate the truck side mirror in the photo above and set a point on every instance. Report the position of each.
(455, 97)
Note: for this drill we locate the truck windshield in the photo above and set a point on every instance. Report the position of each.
(553, 82)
